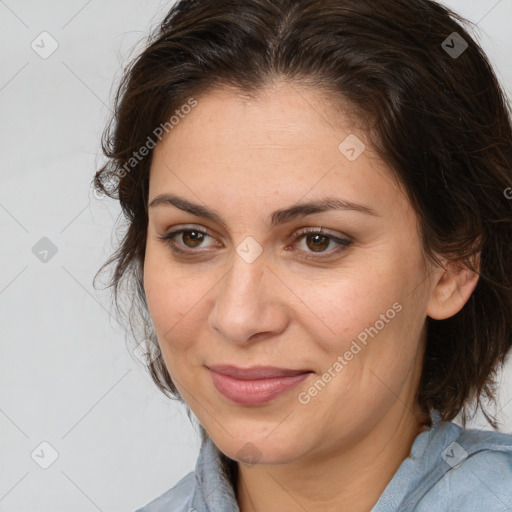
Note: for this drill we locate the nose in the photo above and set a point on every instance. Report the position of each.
(249, 304)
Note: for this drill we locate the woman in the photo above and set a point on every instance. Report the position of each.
(318, 235)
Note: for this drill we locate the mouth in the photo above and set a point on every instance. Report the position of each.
(256, 385)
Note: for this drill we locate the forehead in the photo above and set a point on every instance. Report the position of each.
(284, 142)
(283, 114)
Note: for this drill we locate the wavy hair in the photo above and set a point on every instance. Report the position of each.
(434, 109)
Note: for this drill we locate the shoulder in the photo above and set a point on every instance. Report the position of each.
(474, 474)
(205, 488)
(177, 499)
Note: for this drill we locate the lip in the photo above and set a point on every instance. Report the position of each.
(255, 385)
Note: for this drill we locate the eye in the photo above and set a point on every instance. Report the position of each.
(191, 238)
(317, 241)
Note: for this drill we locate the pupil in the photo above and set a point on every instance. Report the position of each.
(316, 245)
(193, 235)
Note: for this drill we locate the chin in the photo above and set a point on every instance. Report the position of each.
(259, 449)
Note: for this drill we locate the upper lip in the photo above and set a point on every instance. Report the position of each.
(256, 372)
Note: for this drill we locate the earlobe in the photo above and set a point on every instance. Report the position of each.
(453, 288)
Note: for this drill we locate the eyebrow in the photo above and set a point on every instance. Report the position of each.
(276, 218)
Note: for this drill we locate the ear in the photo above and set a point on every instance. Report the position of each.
(453, 286)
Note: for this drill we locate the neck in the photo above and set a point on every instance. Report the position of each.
(355, 473)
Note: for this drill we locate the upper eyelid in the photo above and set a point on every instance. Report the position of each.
(338, 238)
(297, 232)
(343, 244)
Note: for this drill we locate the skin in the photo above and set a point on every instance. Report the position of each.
(245, 159)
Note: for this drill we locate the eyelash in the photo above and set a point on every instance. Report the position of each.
(168, 239)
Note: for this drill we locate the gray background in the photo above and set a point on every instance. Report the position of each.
(66, 375)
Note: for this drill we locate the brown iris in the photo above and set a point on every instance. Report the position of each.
(315, 245)
(195, 236)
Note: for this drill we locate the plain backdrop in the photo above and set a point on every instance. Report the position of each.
(73, 398)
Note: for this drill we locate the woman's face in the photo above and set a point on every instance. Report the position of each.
(345, 308)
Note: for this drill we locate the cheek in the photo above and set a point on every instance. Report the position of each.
(165, 299)
(347, 308)
(177, 301)
(167, 308)
(377, 326)
(373, 321)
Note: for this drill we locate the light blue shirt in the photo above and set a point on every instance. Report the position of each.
(449, 469)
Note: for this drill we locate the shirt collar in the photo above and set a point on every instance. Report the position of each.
(213, 491)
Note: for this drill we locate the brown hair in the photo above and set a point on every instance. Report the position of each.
(435, 113)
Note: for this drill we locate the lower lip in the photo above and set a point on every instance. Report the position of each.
(254, 392)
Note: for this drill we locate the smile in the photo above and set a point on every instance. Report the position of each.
(257, 385)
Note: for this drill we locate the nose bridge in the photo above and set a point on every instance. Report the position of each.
(245, 301)
(244, 282)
